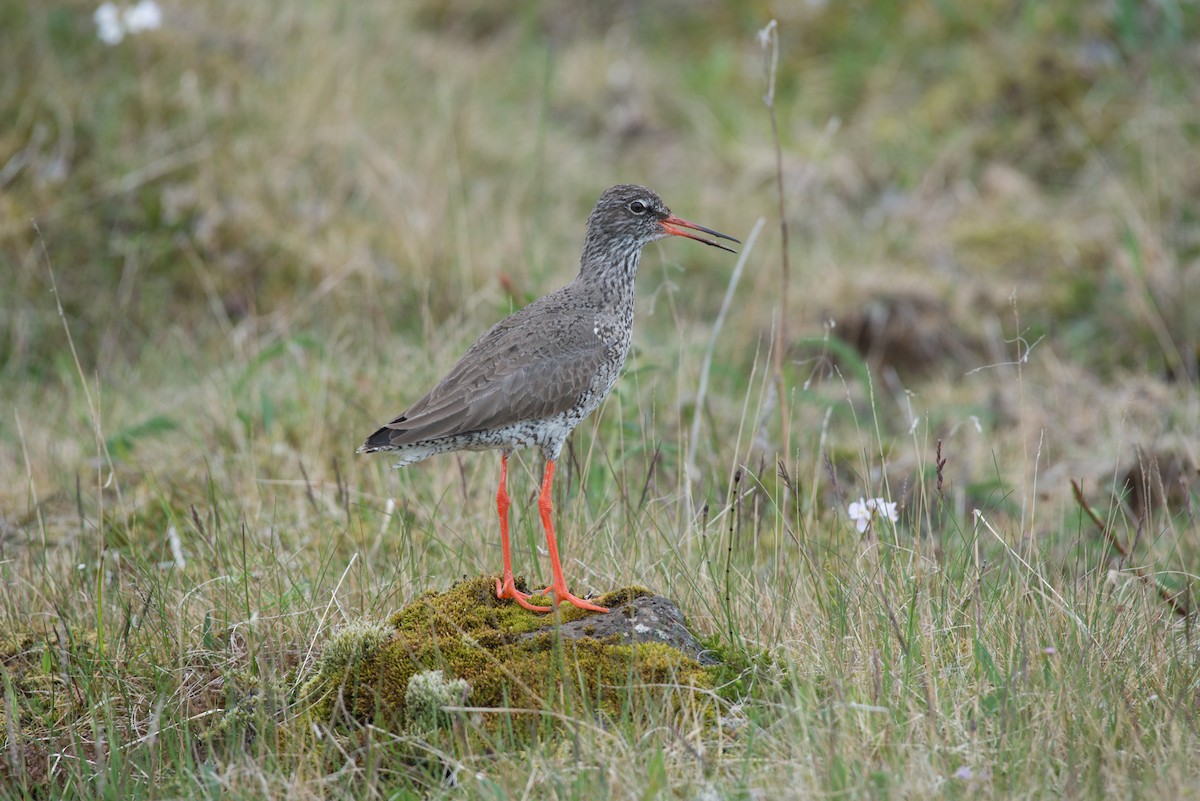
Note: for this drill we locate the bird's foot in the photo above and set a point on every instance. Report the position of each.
(508, 589)
(559, 593)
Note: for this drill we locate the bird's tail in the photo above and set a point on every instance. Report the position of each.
(385, 439)
(381, 440)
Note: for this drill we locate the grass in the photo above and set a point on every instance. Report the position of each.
(270, 229)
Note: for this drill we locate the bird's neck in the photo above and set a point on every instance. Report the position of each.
(611, 270)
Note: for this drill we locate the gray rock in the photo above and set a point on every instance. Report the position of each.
(647, 618)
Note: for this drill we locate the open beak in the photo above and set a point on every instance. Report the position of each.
(673, 225)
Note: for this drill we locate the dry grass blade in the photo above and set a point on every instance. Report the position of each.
(768, 39)
(705, 369)
(1177, 601)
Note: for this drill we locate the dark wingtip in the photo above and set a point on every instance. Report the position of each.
(379, 441)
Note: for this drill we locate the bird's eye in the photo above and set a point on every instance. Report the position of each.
(637, 207)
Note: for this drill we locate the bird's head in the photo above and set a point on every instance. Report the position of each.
(632, 213)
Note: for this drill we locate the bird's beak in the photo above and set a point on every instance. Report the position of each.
(673, 224)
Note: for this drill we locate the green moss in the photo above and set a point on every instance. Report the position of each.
(427, 695)
(508, 657)
(741, 673)
(15, 643)
(31, 666)
(348, 648)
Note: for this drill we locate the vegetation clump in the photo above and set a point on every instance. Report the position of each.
(467, 646)
(427, 696)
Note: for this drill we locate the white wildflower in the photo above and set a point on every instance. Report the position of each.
(863, 511)
(108, 24)
(113, 22)
(144, 16)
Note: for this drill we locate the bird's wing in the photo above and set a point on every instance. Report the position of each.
(510, 374)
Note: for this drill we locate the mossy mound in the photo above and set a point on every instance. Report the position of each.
(510, 659)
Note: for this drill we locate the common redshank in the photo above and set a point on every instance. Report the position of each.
(536, 374)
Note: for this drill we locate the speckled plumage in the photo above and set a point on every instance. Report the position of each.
(535, 375)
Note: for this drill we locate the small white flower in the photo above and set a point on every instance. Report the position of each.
(145, 16)
(108, 24)
(859, 514)
(863, 511)
(113, 22)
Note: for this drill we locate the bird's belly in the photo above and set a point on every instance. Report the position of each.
(549, 434)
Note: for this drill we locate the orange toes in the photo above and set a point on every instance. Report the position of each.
(561, 593)
(508, 590)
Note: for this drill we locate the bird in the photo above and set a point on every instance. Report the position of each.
(533, 376)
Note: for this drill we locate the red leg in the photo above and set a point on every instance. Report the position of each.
(507, 588)
(558, 587)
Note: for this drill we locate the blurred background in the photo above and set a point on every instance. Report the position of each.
(267, 228)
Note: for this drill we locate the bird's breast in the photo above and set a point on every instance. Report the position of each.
(614, 325)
